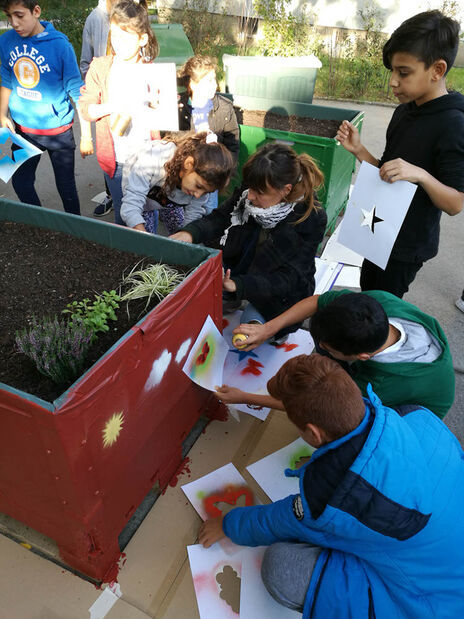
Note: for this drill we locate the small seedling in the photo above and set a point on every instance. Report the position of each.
(57, 347)
(153, 281)
(95, 314)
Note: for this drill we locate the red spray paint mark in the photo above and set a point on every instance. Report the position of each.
(111, 577)
(252, 368)
(287, 347)
(225, 323)
(201, 359)
(230, 495)
(183, 468)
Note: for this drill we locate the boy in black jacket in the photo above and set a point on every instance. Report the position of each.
(425, 144)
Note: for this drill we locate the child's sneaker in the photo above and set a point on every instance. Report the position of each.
(105, 207)
(460, 304)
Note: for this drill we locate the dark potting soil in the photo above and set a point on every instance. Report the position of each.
(297, 124)
(41, 271)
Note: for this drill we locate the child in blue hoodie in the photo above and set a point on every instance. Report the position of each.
(39, 74)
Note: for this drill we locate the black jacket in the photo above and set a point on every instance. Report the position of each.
(222, 121)
(430, 136)
(272, 274)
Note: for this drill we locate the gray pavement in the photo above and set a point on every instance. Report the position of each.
(437, 286)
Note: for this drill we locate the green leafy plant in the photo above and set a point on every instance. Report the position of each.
(58, 347)
(152, 281)
(95, 314)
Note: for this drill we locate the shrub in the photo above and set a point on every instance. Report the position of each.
(95, 314)
(69, 17)
(57, 347)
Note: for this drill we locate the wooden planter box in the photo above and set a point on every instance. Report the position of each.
(77, 468)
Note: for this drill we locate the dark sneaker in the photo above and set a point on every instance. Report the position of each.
(105, 207)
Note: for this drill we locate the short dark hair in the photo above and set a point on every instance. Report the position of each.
(429, 36)
(28, 4)
(352, 323)
(315, 389)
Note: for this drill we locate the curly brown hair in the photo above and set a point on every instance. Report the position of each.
(212, 162)
(133, 16)
(195, 68)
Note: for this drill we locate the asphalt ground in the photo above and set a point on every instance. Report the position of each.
(438, 284)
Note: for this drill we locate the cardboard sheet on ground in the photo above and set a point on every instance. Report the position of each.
(375, 214)
(250, 371)
(205, 361)
(255, 601)
(335, 251)
(162, 88)
(269, 472)
(11, 161)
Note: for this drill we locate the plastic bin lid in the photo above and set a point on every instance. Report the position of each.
(173, 42)
(301, 62)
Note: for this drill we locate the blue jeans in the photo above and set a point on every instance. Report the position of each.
(115, 187)
(211, 203)
(61, 149)
(251, 313)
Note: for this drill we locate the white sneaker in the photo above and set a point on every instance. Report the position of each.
(460, 304)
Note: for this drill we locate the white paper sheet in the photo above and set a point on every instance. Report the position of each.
(162, 83)
(375, 214)
(250, 371)
(205, 362)
(10, 162)
(269, 471)
(327, 275)
(335, 251)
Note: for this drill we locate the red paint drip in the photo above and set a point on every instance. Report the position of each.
(287, 347)
(111, 576)
(183, 468)
(252, 368)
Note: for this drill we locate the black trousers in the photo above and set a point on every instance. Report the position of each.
(396, 278)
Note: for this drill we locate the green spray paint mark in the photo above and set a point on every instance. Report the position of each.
(304, 452)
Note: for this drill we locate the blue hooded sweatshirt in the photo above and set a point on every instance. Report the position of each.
(386, 504)
(42, 73)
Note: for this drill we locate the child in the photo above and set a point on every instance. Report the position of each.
(425, 143)
(377, 529)
(94, 44)
(174, 174)
(116, 93)
(269, 233)
(39, 73)
(201, 108)
(388, 342)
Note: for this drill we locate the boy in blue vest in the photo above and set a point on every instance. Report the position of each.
(377, 529)
(425, 144)
(39, 73)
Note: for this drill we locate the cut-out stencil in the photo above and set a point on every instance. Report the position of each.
(374, 215)
(269, 472)
(205, 361)
(250, 371)
(11, 161)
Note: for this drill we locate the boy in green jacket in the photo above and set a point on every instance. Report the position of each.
(382, 339)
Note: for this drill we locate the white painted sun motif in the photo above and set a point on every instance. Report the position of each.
(112, 429)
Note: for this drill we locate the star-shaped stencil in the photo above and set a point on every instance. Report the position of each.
(370, 219)
(5, 150)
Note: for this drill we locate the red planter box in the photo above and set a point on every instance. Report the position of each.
(76, 469)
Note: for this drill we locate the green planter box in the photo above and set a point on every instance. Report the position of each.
(289, 79)
(173, 42)
(336, 163)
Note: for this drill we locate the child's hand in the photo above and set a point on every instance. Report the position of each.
(6, 122)
(228, 284)
(348, 136)
(86, 147)
(257, 334)
(230, 395)
(186, 237)
(400, 170)
(211, 532)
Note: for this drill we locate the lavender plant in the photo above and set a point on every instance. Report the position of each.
(57, 347)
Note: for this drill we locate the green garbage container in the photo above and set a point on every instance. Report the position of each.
(173, 42)
(276, 77)
(336, 163)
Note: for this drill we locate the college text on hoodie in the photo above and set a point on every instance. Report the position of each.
(42, 73)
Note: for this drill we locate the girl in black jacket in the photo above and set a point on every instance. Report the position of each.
(269, 233)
